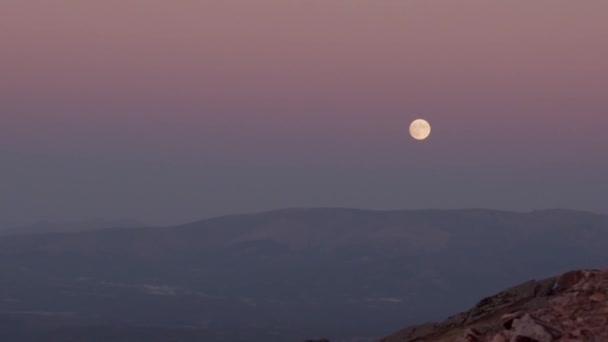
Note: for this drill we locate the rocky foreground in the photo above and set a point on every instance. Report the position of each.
(570, 307)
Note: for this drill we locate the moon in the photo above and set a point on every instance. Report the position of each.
(420, 129)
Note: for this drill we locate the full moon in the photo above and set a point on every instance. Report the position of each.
(420, 129)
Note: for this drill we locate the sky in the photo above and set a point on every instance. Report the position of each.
(173, 111)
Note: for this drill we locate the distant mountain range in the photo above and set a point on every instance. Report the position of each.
(45, 227)
(287, 275)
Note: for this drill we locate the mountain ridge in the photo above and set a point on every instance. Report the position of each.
(282, 275)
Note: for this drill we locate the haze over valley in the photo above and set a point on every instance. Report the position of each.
(287, 275)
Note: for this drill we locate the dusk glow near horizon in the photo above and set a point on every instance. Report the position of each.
(171, 111)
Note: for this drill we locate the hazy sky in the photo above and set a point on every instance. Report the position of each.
(172, 110)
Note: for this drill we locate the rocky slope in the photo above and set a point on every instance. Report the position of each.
(569, 307)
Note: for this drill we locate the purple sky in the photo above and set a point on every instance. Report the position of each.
(170, 111)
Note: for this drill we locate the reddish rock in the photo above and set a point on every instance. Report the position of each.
(598, 297)
(572, 308)
(507, 320)
(533, 329)
(568, 280)
(499, 338)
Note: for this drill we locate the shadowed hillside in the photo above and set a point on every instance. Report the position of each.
(285, 275)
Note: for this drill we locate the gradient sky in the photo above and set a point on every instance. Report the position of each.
(171, 111)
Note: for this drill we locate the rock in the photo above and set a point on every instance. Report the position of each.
(598, 297)
(499, 338)
(507, 320)
(544, 288)
(568, 280)
(517, 294)
(572, 307)
(453, 321)
(473, 335)
(530, 328)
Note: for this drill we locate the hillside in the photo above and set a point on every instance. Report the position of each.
(570, 307)
(288, 275)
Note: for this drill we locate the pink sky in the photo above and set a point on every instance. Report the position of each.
(312, 83)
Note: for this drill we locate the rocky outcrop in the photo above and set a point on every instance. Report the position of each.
(578, 311)
(570, 307)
